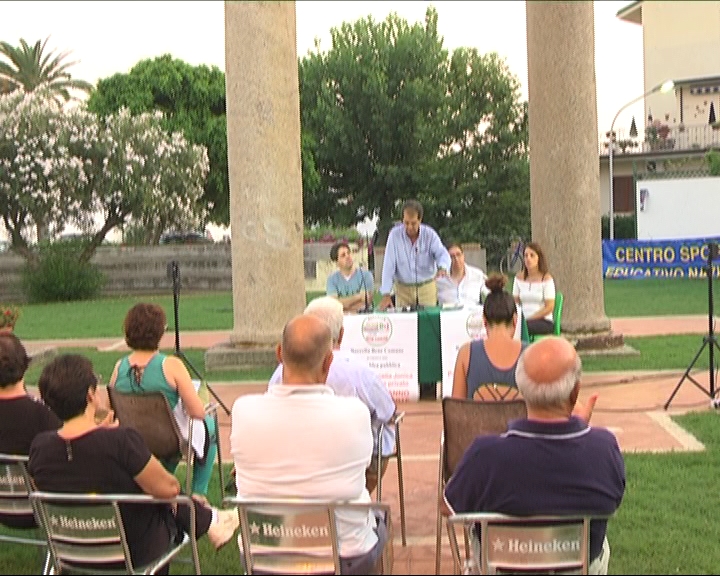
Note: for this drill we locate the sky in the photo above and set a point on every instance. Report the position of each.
(109, 37)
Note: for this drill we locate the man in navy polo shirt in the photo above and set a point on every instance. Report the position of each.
(552, 462)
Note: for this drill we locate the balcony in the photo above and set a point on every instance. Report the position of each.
(666, 139)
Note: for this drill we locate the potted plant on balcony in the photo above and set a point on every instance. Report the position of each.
(656, 135)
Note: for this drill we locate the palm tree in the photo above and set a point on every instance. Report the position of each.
(31, 67)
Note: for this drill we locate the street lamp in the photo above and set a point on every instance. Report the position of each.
(664, 87)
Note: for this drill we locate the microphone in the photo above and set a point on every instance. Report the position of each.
(367, 308)
(417, 290)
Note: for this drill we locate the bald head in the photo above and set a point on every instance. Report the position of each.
(306, 343)
(547, 373)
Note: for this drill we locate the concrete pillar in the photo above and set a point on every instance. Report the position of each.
(564, 165)
(263, 129)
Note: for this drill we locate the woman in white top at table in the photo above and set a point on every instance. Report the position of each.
(534, 290)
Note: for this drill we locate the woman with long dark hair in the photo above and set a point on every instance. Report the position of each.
(534, 290)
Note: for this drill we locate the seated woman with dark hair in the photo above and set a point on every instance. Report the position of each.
(83, 457)
(22, 417)
(146, 369)
(534, 290)
(493, 360)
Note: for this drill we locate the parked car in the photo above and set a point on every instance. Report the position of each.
(186, 237)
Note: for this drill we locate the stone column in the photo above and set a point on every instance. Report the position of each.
(564, 165)
(263, 130)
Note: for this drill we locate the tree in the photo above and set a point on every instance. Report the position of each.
(31, 67)
(69, 166)
(192, 100)
(391, 115)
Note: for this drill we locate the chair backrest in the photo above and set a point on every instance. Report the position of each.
(464, 420)
(295, 536)
(511, 544)
(86, 530)
(557, 313)
(150, 414)
(14, 486)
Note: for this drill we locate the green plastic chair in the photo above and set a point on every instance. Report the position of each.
(557, 321)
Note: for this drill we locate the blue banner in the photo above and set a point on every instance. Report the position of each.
(658, 258)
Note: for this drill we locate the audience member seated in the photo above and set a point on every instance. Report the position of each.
(493, 360)
(301, 440)
(551, 462)
(464, 284)
(534, 290)
(22, 417)
(351, 376)
(146, 369)
(83, 457)
(353, 287)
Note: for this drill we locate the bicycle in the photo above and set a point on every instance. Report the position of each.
(511, 262)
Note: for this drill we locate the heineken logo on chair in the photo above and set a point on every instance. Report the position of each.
(534, 545)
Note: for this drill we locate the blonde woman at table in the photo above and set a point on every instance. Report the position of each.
(493, 360)
(534, 290)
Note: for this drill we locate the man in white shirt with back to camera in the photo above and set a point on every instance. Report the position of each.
(301, 440)
(351, 376)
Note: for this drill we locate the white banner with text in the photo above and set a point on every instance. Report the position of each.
(388, 343)
(456, 328)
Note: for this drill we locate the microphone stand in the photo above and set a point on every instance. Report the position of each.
(368, 309)
(175, 270)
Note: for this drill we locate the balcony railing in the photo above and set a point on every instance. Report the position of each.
(687, 138)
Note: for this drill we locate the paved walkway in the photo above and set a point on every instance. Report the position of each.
(630, 404)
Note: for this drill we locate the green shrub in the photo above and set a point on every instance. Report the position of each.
(624, 227)
(713, 160)
(329, 234)
(58, 275)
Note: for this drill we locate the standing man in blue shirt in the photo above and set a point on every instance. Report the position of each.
(414, 258)
(352, 286)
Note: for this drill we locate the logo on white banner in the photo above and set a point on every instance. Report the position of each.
(474, 325)
(376, 330)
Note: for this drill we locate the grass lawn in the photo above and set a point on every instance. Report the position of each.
(667, 523)
(213, 311)
(657, 353)
(657, 297)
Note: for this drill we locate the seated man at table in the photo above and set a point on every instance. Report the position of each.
(414, 257)
(551, 462)
(301, 440)
(352, 286)
(351, 376)
(464, 284)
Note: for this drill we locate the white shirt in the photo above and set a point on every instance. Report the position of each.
(351, 376)
(467, 291)
(306, 442)
(533, 295)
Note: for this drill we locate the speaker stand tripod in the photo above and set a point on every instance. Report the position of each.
(709, 340)
(175, 271)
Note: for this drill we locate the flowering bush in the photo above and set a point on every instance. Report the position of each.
(8, 316)
(62, 166)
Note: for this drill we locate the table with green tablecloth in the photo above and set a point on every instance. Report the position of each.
(429, 350)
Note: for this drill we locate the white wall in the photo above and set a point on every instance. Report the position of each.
(678, 208)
